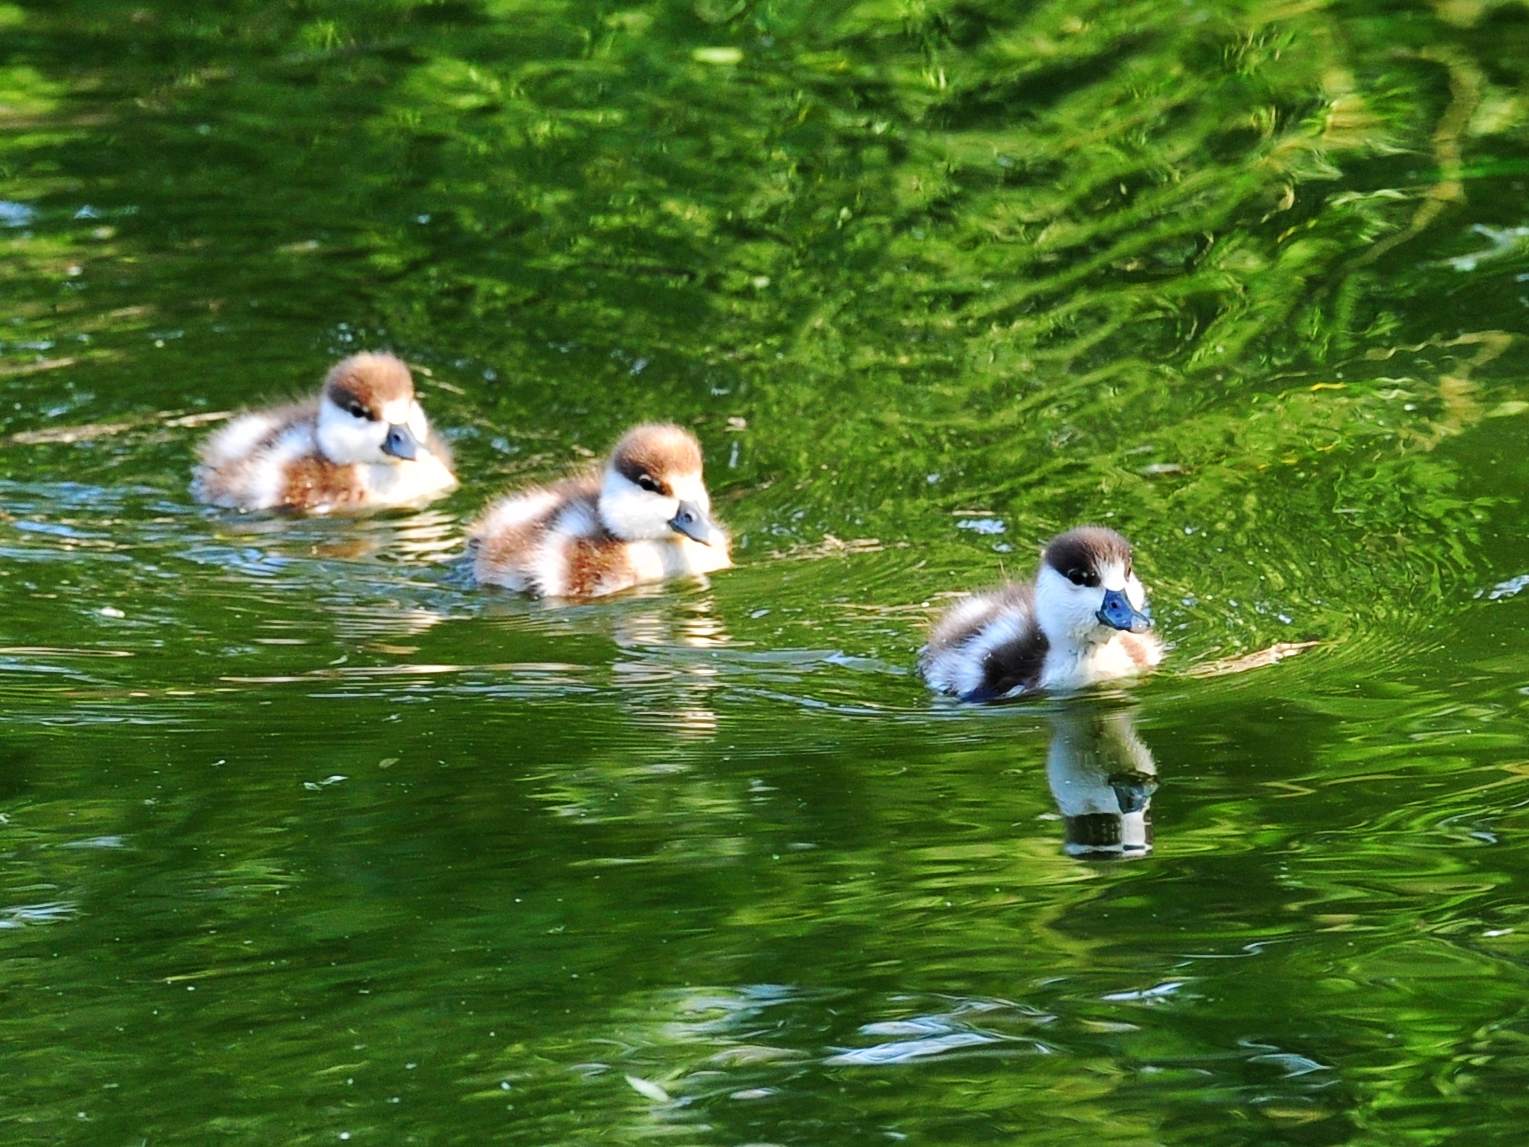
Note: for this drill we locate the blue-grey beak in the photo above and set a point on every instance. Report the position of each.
(1118, 613)
(1133, 791)
(689, 520)
(400, 442)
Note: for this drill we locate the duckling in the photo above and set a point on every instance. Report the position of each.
(1083, 620)
(362, 444)
(645, 517)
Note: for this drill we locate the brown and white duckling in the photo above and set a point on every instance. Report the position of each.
(1083, 620)
(364, 443)
(645, 517)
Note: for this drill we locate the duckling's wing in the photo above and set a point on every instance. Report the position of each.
(986, 647)
(518, 541)
(243, 464)
(252, 431)
(1013, 651)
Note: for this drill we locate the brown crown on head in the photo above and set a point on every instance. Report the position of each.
(369, 380)
(1087, 548)
(658, 450)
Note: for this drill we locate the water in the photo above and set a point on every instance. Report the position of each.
(306, 842)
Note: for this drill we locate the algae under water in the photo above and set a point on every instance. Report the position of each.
(302, 841)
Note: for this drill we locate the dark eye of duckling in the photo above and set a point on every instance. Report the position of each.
(1082, 577)
(356, 410)
(648, 483)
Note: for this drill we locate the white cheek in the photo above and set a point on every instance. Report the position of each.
(1112, 576)
(1087, 602)
(1066, 611)
(344, 439)
(632, 513)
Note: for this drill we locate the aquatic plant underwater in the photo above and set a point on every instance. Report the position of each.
(307, 840)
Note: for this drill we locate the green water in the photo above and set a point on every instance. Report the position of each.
(303, 841)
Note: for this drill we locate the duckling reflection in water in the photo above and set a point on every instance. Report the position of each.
(420, 536)
(667, 665)
(1102, 777)
(1081, 621)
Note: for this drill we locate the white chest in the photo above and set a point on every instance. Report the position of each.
(405, 483)
(659, 560)
(1086, 665)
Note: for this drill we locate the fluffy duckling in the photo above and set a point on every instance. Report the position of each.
(362, 444)
(645, 517)
(1083, 620)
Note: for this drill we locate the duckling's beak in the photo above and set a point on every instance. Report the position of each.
(689, 520)
(400, 442)
(1133, 791)
(1118, 613)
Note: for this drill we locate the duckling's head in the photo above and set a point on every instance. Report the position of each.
(368, 413)
(652, 487)
(1086, 589)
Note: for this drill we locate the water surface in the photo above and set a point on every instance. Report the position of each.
(304, 841)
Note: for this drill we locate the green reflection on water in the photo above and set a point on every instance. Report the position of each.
(303, 839)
